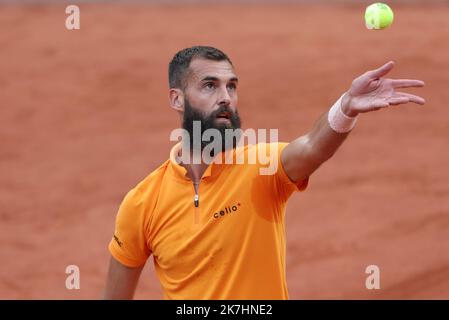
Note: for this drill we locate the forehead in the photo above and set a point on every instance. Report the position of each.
(202, 68)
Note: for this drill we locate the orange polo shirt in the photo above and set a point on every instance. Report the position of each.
(232, 246)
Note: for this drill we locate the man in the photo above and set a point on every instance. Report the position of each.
(216, 230)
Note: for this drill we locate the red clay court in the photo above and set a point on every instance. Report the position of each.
(85, 117)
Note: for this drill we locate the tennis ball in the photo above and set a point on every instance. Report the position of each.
(378, 16)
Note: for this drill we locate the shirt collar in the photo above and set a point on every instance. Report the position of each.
(212, 170)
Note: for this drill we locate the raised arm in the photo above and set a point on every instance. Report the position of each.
(369, 92)
(121, 281)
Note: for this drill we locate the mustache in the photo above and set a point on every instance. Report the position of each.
(221, 109)
(208, 119)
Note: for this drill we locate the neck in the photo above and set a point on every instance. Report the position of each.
(194, 170)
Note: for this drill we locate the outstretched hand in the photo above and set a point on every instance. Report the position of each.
(371, 92)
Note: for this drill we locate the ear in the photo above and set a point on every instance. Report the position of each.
(176, 99)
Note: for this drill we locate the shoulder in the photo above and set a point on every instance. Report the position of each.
(147, 190)
(261, 146)
(265, 152)
(266, 145)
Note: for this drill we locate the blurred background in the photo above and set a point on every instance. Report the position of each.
(84, 117)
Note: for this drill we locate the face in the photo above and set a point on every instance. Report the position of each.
(210, 96)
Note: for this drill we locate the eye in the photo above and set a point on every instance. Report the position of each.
(232, 86)
(209, 85)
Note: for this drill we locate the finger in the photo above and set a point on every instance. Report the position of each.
(398, 100)
(407, 83)
(378, 104)
(411, 97)
(380, 72)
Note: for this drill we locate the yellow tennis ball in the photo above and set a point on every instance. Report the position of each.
(378, 16)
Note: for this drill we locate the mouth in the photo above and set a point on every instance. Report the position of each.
(224, 115)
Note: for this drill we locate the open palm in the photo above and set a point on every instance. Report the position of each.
(371, 91)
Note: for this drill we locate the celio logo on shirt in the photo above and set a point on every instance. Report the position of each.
(227, 210)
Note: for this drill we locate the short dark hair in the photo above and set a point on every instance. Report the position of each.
(181, 62)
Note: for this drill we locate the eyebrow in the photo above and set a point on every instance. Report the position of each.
(210, 78)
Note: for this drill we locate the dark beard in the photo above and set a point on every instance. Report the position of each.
(209, 122)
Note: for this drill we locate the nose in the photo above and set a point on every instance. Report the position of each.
(224, 98)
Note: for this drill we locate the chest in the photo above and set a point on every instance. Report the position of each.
(233, 212)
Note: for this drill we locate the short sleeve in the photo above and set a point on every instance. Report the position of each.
(129, 243)
(284, 185)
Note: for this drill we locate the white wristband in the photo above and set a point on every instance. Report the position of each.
(338, 121)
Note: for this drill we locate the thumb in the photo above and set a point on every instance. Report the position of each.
(382, 71)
